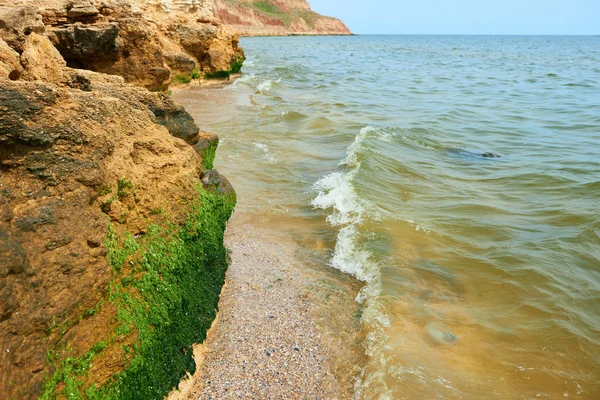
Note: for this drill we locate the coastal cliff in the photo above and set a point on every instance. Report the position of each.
(275, 17)
(111, 216)
(148, 43)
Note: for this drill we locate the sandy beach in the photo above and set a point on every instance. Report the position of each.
(276, 335)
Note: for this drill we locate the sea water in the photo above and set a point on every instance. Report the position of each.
(458, 177)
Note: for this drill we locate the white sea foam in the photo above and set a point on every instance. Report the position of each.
(351, 158)
(336, 191)
(349, 257)
(266, 86)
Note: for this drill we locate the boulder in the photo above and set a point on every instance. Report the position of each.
(16, 23)
(180, 63)
(82, 9)
(10, 65)
(41, 61)
(80, 44)
(195, 39)
(160, 106)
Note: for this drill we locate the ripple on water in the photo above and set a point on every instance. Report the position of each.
(461, 184)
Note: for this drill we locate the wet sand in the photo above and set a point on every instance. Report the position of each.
(284, 330)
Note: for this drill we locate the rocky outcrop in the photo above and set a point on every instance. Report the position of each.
(111, 217)
(144, 41)
(16, 23)
(10, 63)
(275, 17)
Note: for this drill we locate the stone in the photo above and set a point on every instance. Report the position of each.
(180, 63)
(10, 64)
(16, 23)
(41, 60)
(79, 43)
(82, 9)
(215, 182)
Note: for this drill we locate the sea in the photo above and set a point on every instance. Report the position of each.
(457, 177)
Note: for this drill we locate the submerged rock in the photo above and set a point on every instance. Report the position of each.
(490, 155)
(464, 153)
(440, 334)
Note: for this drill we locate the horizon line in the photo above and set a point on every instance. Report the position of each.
(478, 34)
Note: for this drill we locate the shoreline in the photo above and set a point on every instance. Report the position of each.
(278, 332)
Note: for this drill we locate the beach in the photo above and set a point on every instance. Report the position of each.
(276, 335)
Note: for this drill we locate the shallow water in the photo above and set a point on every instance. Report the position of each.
(459, 176)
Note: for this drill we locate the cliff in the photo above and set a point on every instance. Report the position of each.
(111, 216)
(275, 17)
(146, 42)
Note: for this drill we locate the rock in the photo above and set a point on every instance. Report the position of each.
(82, 9)
(195, 39)
(128, 47)
(16, 23)
(145, 42)
(213, 181)
(80, 44)
(162, 108)
(58, 147)
(206, 145)
(179, 63)
(41, 61)
(490, 155)
(10, 65)
(80, 148)
(223, 50)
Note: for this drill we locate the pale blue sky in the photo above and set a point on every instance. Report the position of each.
(553, 17)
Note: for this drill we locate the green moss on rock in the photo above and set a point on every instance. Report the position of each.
(208, 154)
(166, 288)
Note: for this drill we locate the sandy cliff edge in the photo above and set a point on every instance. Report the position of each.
(275, 18)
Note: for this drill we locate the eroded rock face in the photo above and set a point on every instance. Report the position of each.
(17, 22)
(275, 17)
(63, 152)
(146, 42)
(82, 43)
(41, 61)
(10, 63)
(81, 151)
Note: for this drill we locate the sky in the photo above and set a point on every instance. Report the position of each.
(489, 17)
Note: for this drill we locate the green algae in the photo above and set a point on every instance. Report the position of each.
(208, 154)
(165, 288)
(235, 67)
(187, 78)
(221, 74)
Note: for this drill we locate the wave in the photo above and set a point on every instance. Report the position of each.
(268, 155)
(336, 192)
(265, 86)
